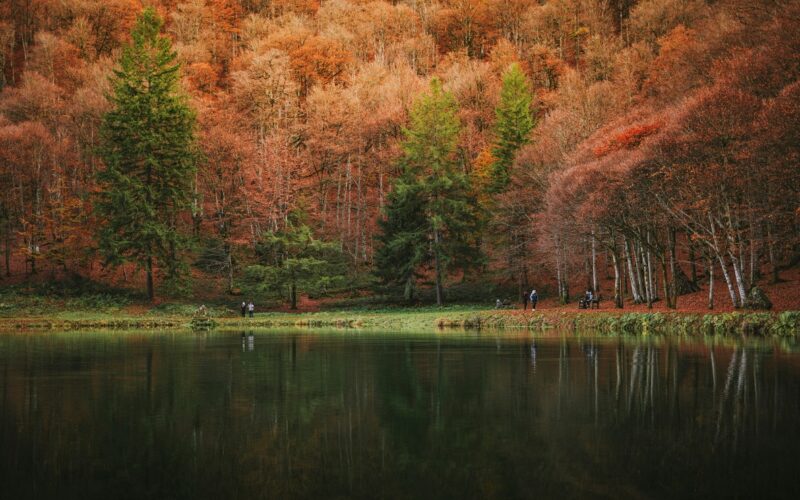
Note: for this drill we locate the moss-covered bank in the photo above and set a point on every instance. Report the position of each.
(781, 324)
(737, 323)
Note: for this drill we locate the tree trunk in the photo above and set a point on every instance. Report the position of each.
(771, 250)
(728, 282)
(626, 278)
(692, 259)
(408, 291)
(437, 268)
(521, 288)
(710, 266)
(639, 271)
(637, 298)
(722, 264)
(293, 295)
(672, 289)
(737, 273)
(558, 273)
(665, 282)
(650, 278)
(230, 268)
(595, 286)
(565, 280)
(617, 282)
(8, 248)
(149, 270)
(754, 257)
(587, 269)
(646, 278)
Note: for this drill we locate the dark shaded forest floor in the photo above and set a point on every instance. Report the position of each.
(21, 297)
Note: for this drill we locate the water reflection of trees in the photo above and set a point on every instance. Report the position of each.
(300, 416)
(684, 416)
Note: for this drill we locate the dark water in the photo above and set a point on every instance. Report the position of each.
(283, 415)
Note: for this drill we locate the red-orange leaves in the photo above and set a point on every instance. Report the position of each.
(319, 60)
(629, 138)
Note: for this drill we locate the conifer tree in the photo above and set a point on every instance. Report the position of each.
(513, 125)
(402, 238)
(147, 146)
(292, 260)
(508, 229)
(432, 218)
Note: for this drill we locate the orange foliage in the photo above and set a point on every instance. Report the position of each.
(651, 115)
(627, 139)
(319, 61)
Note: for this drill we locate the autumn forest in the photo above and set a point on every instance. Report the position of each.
(645, 149)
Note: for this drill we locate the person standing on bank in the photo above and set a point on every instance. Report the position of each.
(244, 308)
(534, 299)
(524, 299)
(251, 308)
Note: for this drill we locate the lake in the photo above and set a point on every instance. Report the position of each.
(297, 414)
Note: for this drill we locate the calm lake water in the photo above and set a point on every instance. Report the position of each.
(327, 415)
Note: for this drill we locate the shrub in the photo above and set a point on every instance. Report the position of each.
(786, 323)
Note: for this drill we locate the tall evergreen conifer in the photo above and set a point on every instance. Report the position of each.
(147, 145)
(431, 218)
(513, 125)
(509, 228)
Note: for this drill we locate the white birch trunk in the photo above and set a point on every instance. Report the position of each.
(650, 280)
(737, 273)
(637, 298)
(728, 282)
(710, 265)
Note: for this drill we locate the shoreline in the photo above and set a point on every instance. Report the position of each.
(786, 323)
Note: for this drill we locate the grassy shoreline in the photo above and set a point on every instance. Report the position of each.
(785, 323)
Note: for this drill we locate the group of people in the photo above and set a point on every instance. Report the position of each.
(248, 307)
(533, 297)
(589, 299)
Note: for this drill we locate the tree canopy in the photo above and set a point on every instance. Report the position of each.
(592, 135)
(432, 218)
(147, 146)
(292, 260)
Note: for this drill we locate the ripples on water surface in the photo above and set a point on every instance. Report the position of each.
(310, 415)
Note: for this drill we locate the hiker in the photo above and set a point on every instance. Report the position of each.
(524, 299)
(244, 308)
(251, 308)
(534, 299)
(587, 300)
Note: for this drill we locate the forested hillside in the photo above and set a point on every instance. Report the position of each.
(649, 147)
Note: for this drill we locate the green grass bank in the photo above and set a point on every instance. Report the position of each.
(736, 323)
(426, 318)
(85, 305)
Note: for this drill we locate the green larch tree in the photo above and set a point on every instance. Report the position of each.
(431, 219)
(513, 125)
(148, 148)
(509, 229)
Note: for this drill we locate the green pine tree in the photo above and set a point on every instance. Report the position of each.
(513, 125)
(431, 219)
(148, 147)
(402, 240)
(293, 260)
